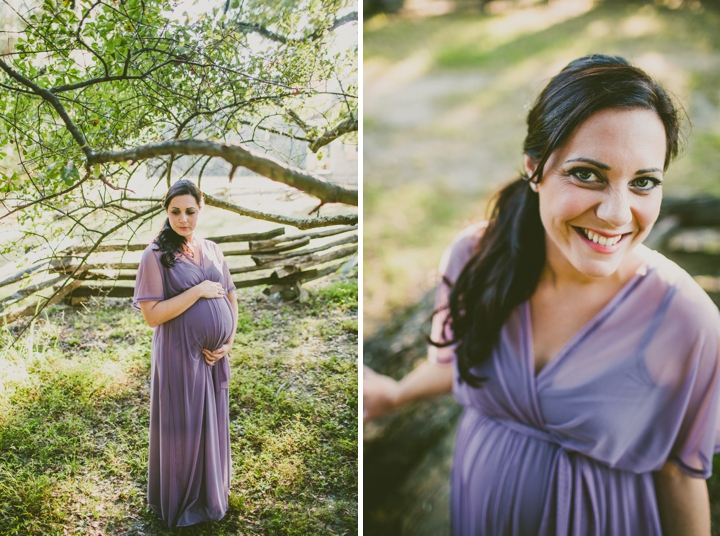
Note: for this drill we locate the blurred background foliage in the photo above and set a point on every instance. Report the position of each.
(447, 86)
(444, 113)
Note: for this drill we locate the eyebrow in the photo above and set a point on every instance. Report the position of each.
(600, 165)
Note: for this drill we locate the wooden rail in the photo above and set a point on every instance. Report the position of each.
(266, 258)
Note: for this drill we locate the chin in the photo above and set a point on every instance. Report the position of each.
(593, 268)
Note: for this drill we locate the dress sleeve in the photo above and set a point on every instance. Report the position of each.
(149, 280)
(699, 435)
(227, 276)
(451, 264)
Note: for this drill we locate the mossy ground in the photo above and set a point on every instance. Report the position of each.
(74, 415)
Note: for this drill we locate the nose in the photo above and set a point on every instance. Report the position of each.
(615, 208)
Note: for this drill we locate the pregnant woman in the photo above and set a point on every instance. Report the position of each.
(587, 364)
(185, 292)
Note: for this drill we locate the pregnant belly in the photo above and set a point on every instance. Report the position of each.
(500, 478)
(208, 323)
(508, 482)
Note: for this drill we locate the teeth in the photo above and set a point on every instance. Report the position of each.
(602, 240)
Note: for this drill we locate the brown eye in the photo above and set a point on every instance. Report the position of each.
(584, 175)
(646, 183)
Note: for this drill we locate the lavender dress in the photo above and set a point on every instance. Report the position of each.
(189, 458)
(570, 451)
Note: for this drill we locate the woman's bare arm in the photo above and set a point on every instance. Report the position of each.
(159, 312)
(381, 393)
(683, 502)
(233, 303)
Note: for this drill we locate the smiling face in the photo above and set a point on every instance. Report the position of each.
(183, 212)
(600, 193)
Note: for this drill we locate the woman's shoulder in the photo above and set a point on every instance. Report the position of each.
(462, 247)
(211, 247)
(152, 249)
(691, 305)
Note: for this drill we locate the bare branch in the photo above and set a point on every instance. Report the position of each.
(93, 81)
(235, 155)
(350, 17)
(46, 198)
(349, 219)
(349, 125)
(292, 114)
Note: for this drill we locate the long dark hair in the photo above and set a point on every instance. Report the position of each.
(505, 269)
(168, 241)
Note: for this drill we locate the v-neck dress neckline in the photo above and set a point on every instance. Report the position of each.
(582, 332)
(571, 451)
(200, 254)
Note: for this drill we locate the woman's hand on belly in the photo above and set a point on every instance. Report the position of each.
(210, 289)
(212, 356)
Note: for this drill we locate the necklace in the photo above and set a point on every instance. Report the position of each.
(188, 251)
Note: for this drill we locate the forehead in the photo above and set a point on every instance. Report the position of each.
(634, 137)
(183, 202)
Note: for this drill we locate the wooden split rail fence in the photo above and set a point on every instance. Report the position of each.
(269, 258)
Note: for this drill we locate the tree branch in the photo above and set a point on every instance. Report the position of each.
(349, 125)
(262, 30)
(46, 198)
(54, 101)
(349, 219)
(239, 156)
(350, 17)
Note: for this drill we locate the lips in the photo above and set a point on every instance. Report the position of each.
(598, 242)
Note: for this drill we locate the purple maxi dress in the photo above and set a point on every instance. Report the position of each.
(571, 450)
(189, 458)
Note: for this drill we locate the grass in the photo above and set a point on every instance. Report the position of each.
(74, 415)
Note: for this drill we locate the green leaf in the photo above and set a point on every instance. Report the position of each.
(69, 174)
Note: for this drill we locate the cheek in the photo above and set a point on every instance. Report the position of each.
(647, 212)
(559, 208)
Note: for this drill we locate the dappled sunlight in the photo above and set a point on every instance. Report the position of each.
(382, 77)
(640, 24)
(454, 123)
(79, 411)
(393, 78)
(12, 374)
(493, 32)
(671, 74)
